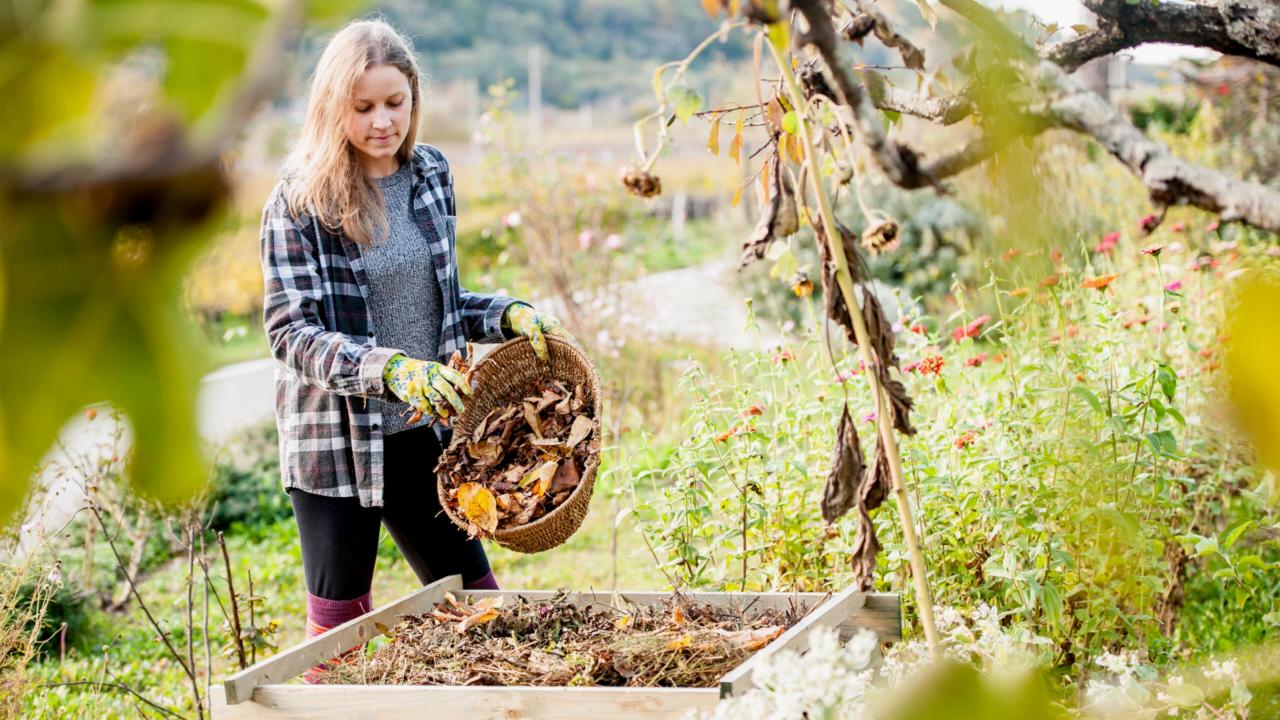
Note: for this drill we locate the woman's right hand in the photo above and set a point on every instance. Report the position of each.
(432, 389)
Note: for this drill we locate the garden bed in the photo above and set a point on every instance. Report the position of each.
(260, 691)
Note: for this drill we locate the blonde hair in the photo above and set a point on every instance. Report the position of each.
(323, 174)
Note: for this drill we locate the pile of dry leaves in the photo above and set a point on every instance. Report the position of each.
(523, 460)
(555, 643)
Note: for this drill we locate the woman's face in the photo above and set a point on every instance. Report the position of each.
(379, 117)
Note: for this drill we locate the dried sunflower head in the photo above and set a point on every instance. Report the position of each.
(641, 183)
(881, 236)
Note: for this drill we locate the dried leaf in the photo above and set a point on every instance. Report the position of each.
(485, 452)
(778, 217)
(677, 615)
(846, 470)
(479, 618)
(489, 603)
(565, 479)
(902, 404)
(875, 487)
(539, 479)
(582, 427)
(832, 297)
(479, 506)
(531, 417)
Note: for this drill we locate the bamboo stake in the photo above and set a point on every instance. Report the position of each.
(884, 421)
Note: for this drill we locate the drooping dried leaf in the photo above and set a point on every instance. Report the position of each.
(874, 488)
(779, 217)
(902, 404)
(846, 470)
(833, 299)
(879, 331)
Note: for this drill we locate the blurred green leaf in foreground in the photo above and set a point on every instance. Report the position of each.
(110, 172)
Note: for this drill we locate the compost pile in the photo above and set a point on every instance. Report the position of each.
(554, 643)
(522, 460)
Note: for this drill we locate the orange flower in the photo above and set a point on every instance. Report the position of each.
(931, 365)
(1010, 254)
(1100, 282)
(965, 439)
(1019, 292)
(1049, 281)
(753, 411)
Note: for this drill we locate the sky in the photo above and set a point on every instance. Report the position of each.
(1070, 12)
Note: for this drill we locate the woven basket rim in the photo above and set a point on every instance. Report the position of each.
(578, 357)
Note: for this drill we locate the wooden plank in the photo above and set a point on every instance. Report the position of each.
(827, 615)
(882, 613)
(391, 702)
(291, 663)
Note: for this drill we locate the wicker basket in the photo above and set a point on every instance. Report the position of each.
(506, 374)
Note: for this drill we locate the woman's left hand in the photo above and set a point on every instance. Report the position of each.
(527, 322)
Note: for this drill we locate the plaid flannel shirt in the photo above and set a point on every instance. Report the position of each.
(328, 361)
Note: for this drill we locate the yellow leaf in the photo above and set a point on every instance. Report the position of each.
(677, 615)
(795, 149)
(735, 145)
(1253, 344)
(713, 140)
(657, 84)
(712, 7)
(622, 622)
(479, 506)
(681, 642)
(737, 196)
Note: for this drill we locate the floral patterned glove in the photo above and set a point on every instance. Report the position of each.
(527, 322)
(429, 387)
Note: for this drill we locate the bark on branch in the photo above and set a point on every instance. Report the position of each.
(1244, 28)
(1065, 103)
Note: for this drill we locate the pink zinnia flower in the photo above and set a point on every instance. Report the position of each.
(972, 330)
(585, 238)
(1152, 250)
(1174, 286)
(1108, 243)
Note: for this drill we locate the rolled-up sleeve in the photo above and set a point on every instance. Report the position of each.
(292, 314)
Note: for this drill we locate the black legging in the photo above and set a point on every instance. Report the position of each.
(340, 538)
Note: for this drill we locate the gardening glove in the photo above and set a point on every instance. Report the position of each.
(429, 387)
(523, 320)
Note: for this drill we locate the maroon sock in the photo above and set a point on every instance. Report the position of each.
(324, 614)
(488, 582)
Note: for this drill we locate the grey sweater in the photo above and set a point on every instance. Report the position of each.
(404, 294)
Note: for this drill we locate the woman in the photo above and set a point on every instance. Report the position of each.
(362, 305)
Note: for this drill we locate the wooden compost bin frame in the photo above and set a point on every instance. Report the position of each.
(259, 692)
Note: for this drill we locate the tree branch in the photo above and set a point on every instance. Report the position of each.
(1168, 179)
(897, 161)
(1244, 28)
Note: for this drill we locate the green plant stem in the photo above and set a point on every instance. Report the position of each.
(883, 422)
